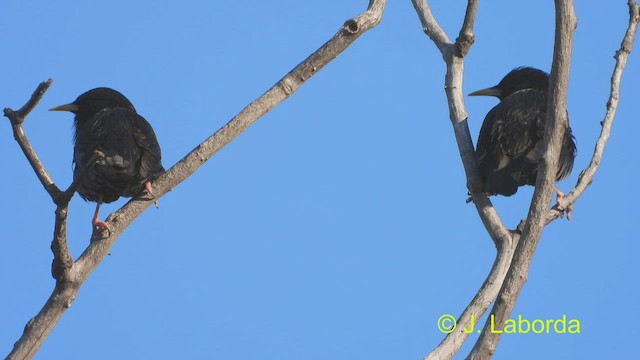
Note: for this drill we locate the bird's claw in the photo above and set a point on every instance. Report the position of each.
(101, 226)
(568, 209)
(148, 189)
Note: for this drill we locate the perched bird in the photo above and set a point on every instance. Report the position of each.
(106, 121)
(510, 142)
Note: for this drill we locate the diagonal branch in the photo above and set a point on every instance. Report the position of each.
(65, 291)
(487, 293)
(348, 33)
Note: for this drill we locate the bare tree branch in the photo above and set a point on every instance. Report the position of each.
(487, 293)
(466, 38)
(17, 118)
(70, 275)
(539, 216)
(621, 56)
(430, 25)
(565, 24)
(457, 113)
(504, 239)
(62, 259)
(553, 133)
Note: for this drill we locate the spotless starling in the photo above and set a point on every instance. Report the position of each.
(105, 120)
(510, 142)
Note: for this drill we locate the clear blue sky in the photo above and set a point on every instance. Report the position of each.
(336, 226)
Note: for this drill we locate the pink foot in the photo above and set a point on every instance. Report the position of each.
(100, 224)
(147, 187)
(96, 221)
(560, 195)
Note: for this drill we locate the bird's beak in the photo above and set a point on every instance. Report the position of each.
(492, 91)
(66, 107)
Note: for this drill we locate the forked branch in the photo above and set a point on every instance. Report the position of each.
(505, 240)
(539, 215)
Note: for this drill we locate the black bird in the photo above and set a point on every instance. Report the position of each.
(105, 120)
(510, 142)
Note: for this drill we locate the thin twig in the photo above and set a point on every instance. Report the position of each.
(17, 118)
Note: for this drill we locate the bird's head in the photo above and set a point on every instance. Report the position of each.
(95, 100)
(517, 79)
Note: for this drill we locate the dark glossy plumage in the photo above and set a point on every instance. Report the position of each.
(105, 120)
(510, 140)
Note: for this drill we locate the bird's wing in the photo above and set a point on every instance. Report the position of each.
(90, 134)
(508, 143)
(517, 125)
(145, 137)
(108, 131)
